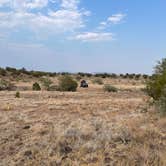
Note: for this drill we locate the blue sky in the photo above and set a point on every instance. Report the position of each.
(115, 36)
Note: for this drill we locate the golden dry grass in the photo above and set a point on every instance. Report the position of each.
(87, 127)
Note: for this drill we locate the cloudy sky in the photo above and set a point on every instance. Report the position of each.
(116, 36)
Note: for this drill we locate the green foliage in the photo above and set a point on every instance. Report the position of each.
(161, 103)
(156, 85)
(145, 76)
(160, 68)
(66, 83)
(98, 81)
(109, 88)
(17, 95)
(157, 82)
(46, 82)
(36, 87)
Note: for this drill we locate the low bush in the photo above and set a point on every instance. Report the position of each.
(67, 83)
(5, 85)
(98, 81)
(3, 72)
(17, 95)
(36, 87)
(109, 88)
(53, 88)
(46, 82)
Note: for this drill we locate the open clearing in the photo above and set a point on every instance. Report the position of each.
(87, 127)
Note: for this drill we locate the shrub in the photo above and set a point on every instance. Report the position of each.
(161, 104)
(66, 83)
(3, 72)
(156, 86)
(110, 88)
(157, 82)
(145, 76)
(98, 81)
(36, 87)
(17, 95)
(5, 85)
(46, 82)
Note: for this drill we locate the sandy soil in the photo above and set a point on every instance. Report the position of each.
(87, 127)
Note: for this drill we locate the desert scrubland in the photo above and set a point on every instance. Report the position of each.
(87, 127)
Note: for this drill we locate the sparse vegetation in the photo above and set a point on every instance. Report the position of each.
(67, 83)
(17, 95)
(46, 82)
(89, 127)
(109, 88)
(98, 81)
(5, 85)
(36, 87)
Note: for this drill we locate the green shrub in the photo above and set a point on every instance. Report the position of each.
(110, 88)
(17, 95)
(46, 82)
(161, 103)
(157, 82)
(66, 83)
(98, 81)
(156, 86)
(36, 87)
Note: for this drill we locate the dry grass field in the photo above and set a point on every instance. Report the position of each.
(88, 127)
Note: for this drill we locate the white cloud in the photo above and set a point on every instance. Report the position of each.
(23, 4)
(67, 18)
(4, 2)
(93, 36)
(116, 18)
(70, 4)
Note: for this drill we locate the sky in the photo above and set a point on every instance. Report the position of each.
(114, 36)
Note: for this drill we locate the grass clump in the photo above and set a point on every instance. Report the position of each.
(5, 85)
(17, 95)
(98, 81)
(36, 87)
(110, 88)
(67, 83)
(46, 82)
